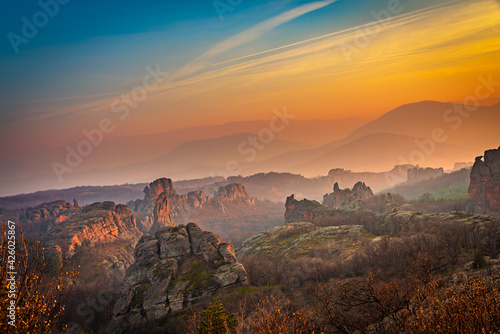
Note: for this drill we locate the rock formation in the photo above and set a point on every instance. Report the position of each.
(45, 211)
(41, 218)
(304, 210)
(161, 213)
(235, 193)
(418, 174)
(94, 226)
(151, 193)
(303, 239)
(174, 268)
(178, 204)
(194, 199)
(347, 199)
(484, 189)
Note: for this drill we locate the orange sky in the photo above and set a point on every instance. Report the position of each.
(436, 53)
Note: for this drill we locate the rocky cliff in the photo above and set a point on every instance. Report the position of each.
(99, 241)
(193, 199)
(94, 226)
(161, 213)
(234, 193)
(484, 189)
(39, 219)
(178, 204)
(347, 199)
(43, 211)
(151, 193)
(174, 268)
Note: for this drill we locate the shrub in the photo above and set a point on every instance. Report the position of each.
(39, 296)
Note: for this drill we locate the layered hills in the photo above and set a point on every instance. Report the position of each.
(426, 133)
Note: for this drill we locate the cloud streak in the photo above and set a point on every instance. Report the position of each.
(408, 26)
(454, 30)
(249, 35)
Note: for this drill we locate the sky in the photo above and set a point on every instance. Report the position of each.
(153, 66)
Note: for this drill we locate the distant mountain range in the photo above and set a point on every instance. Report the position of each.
(427, 133)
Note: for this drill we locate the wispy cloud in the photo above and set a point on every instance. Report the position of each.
(397, 38)
(249, 35)
(426, 40)
(95, 106)
(201, 62)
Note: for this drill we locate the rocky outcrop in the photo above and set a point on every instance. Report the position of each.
(484, 188)
(174, 268)
(151, 193)
(41, 218)
(234, 193)
(302, 240)
(177, 203)
(196, 199)
(46, 211)
(418, 174)
(94, 226)
(161, 213)
(193, 199)
(347, 199)
(180, 204)
(304, 210)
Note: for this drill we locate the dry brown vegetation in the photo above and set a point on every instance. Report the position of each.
(416, 278)
(38, 296)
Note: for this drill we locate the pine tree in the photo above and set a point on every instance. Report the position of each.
(216, 320)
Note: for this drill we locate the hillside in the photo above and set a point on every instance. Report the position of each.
(393, 135)
(213, 155)
(448, 186)
(390, 140)
(382, 151)
(304, 240)
(477, 130)
(34, 167)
